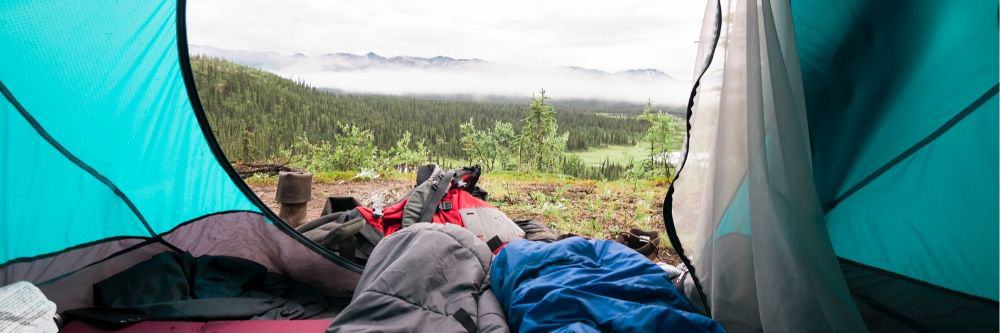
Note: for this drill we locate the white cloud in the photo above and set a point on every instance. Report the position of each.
(559, 83)
(610, 35)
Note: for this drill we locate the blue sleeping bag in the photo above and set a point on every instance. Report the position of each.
(576, 285)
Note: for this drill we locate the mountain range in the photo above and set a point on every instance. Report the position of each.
(442, 75)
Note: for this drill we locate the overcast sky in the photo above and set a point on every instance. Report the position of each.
(610, 35)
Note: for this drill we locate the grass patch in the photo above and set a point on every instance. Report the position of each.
(615, 154)
(597, 209)
(333, 177)
(261, 180)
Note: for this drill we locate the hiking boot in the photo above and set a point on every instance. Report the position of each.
(536, 231)
(570, 235)
(644, 242)
(653, 235)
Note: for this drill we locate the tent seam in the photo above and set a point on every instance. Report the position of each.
(117, 238)
(890, 274)
(668, 200)
(914, 148)
(72, 158)
(149, 240)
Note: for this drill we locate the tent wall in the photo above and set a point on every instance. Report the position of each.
(103, 80)
(761, 250)
(903, 119)
(107, 157)
(903, 122)
(845, 150)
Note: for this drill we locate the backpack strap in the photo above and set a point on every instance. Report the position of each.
(468, 178)
(423, 201)
(424, 172)
(347, 232)
(465, 320)
(494, 243)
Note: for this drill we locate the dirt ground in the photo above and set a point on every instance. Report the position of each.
(597, 210)
(365, 192)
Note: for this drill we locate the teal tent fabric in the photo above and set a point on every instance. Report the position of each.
(35, 202)
(842, 166)
(902, 108)
(948, 246)
(762, 252)
(103, 79)
(736, 218)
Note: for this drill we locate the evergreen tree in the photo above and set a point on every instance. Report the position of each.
(662, 135)
(541, 146)
(491, 148)
(505, 140)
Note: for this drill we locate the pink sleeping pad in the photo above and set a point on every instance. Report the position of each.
(236, 326)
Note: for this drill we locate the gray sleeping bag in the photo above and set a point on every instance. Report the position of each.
(425, 278)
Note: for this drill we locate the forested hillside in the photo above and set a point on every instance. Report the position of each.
(564, 105)
(255, 114)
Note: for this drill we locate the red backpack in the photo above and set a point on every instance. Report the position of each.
(441, 196)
